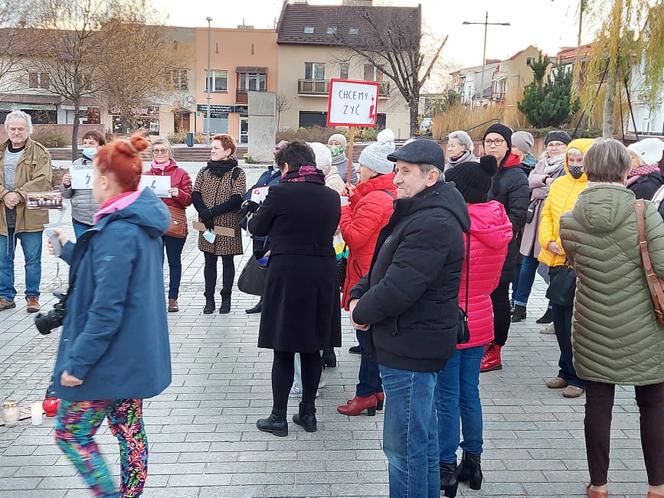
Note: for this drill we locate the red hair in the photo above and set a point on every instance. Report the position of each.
(227, 142)
(122, 158)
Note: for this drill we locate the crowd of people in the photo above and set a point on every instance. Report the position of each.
(440, 257)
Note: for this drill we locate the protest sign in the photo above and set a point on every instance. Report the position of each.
(352, 103)
(160, 185)
(81, 176)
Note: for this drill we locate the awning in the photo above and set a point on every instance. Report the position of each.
(251, 69)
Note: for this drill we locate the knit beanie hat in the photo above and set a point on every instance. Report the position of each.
(323, 156)
(374, 156)
(503, 131)
(338, 137)
(473, 179)
(648, 150)
(523, 141)
(557, 136)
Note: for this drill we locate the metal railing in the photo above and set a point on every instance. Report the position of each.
(312, 87)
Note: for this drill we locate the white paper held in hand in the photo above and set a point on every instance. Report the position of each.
(259, 194)
(160, 185)
(81, 176)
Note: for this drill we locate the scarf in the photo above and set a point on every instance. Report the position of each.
(220, 168)
(643, 170)
(554, 165)
(306, 173)
(160, 166)
(466, 156)
(339, 159)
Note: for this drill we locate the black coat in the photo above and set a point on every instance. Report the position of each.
(510, 188)
(301, 311)
(410, 296)
(646, 186)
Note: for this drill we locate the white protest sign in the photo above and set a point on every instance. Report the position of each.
(160, 185)
(81, 176)
(352, 103)
(259, 194)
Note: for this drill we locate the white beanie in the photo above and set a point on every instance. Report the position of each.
(323, 156)
(648, 150)
(374, 156)
(338, 137)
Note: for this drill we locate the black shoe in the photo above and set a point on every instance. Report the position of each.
(256, 309)
(274, 424)
(306, 417)
(355, 350)
(519, 313)
(470, 470)
(225, 307)
(209, 306)
(329, 358)
(448, 479)
(546, 317)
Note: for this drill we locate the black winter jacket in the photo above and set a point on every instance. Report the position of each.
(646, 186)
(510, 188)
(410, 296)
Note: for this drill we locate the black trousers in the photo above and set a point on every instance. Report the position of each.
(210, 274)
(283, 370)
(500, 298)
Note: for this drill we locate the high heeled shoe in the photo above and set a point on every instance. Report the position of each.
(358, 404)
(449, 482)
(654, 495)
(380, 396)
(470, 470)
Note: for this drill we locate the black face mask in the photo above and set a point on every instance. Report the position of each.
(576, 171)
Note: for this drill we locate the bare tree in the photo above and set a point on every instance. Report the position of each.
(282, 105)
(12, 24)
(391, 41)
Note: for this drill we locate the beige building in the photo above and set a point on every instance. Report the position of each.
(512, 75)
(309, 55)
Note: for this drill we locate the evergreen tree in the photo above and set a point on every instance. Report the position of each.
(533, 94)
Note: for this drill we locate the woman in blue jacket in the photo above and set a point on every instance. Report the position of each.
(114, 348)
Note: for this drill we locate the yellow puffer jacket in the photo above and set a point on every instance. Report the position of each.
(562, 197)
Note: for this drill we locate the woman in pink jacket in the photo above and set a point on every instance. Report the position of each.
(457, 391)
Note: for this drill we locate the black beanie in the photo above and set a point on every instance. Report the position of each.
(473, 179)
(557, 135)
(503, 131)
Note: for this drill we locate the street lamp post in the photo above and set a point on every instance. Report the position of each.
(486, 24)
(208, 81)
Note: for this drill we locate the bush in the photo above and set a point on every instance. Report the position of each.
(51, 139)
(181, 137)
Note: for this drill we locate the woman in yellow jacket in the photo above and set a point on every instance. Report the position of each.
(562, 197)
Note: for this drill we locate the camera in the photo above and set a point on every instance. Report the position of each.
(53, 319)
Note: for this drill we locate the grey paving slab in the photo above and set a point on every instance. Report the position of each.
(202, 432)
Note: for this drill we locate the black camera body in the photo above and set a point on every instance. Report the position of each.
(54, 318)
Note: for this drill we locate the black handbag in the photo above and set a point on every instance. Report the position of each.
(463, 331)
(532, 209)
(252, 278)
(562, 285)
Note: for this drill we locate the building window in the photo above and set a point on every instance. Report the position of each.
(314, 70)
(252, 82)
(309, 30)
(217, 81)
(180, 79)
(343, 70)
(331, 30)
(38, 80)
(372, 73)
(353, 31)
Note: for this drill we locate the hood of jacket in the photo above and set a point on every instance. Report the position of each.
(582, 144)
(510, 161)
(441, 195)
(146, 211)
(489, 224)
(602, 207)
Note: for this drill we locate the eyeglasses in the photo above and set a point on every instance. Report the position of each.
(160, 151)
(497, 142)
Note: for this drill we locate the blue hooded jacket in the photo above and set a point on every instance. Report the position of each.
(115, 332)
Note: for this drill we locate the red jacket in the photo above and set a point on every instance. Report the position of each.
(362, 220)
(179, 179)
(490, 233)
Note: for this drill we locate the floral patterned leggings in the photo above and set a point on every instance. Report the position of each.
(75, 426)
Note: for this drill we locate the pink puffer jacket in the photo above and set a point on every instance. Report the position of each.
(490, 232)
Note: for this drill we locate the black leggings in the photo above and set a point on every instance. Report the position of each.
(501, 312)
(283, 369)
(210, 274)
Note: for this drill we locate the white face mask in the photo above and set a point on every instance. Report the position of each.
(209, 236)
(90, 152)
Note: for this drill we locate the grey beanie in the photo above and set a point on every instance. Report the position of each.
(338, 137)
(523, 141)
(374, 156)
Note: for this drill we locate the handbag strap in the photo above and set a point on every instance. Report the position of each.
(651, 277)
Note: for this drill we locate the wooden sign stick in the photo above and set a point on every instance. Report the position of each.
(349, 155)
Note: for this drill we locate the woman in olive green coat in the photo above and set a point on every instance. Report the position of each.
(616, 338)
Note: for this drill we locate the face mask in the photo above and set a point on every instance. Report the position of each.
(336, 150)
(90, 152)
(576, 171)
(209, 236)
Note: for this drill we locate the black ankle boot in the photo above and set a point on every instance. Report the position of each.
(519, 313)
(448, 479)
(306, 417)
(275, 424)
(255, 309)
(209, 305)
(546, 317)
(329, 358)
(225, 303)
(470, 470)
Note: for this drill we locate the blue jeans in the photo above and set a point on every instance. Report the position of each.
(79, 228)
(562, 324)
(458, 397)
(31, 244)
(369, 375)
(410, 433)
(174, 247)
(525, 281)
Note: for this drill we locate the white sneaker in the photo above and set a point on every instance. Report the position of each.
(321, 384)
(296, 391)
(548, 329)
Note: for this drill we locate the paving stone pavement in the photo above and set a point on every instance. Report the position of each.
(203, 441)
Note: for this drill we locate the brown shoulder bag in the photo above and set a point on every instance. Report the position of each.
(655, 285)
(178, 225)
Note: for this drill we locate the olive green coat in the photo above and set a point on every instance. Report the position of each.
(616, 337)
